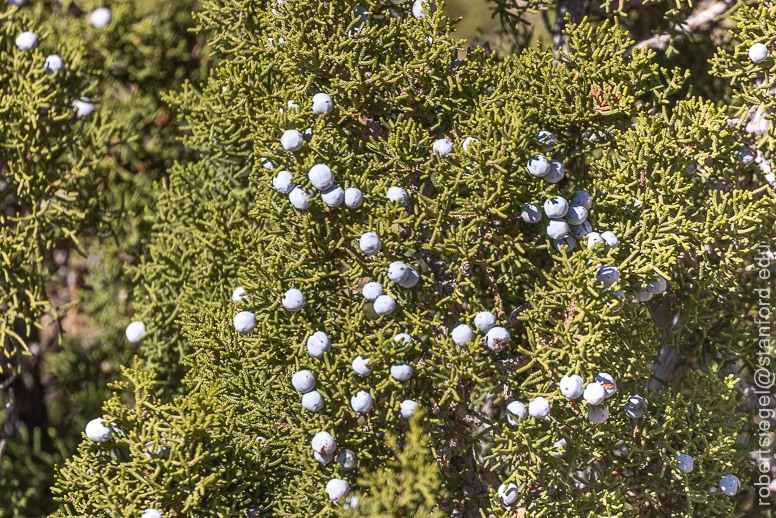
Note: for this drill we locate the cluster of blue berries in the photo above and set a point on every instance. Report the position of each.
(404, 275)
(594, 393)
(495, 337)
(318, 343)
(603, 387)
(28, 40)
(569, 223)
(568, 220)
(320, 175)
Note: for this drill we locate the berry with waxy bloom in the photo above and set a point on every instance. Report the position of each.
(607, 382)
(293, 300)
(135, 331)
(467, 141)
(497, 338)
(98, 432)
(401, 371)
(571, 386)
(576, 215)
(322, 103)
(292, 140)
(610, 239)
(53, 64)
(593, 239)
(282, 182)
(635, 407)
(244, 322)
(100, 17)
(758, 52)
(462, 334)
(607, 275)
(515, 411)
(684, 463)
(582, 198)
(531, 213)
(397, 194)
(300, 198)
(442, 147)
(361, 402)
(369, 243)
(323, 443)
(312, 401)
(556, 208)
(556, 172)
(642, 293)
(27, 40)
(333, 197)
(403, 338)
(408, 408)
(347, 459)
(398, 271)
(384, 305)
(412, 279)
(337, 489)
(353, 198)
(303, 381)
(730, 485)
(538, 165)
(484, 321)
(657, 286)
(318, 343)
(594, 393)
(238, 295)
(746, 155)
(507, 493)
(598, 415)
(321, 177)
(580, 231)
(419, 5)
(546, 138)
(372, 290)
(361, 366)
(539, 407)
(557, 229)
(323, 459)
(566, 241)
(83, 107)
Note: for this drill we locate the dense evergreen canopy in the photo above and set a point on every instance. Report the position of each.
(388, 275)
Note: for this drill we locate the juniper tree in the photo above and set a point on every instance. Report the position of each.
(85, 134)
(130, 136)
(478, 324)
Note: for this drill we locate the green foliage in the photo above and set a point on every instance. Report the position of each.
(27, 472)
(628, 464)
(195, 248)
(74, 186)
(160, 458)
(409, 485)
(751, 81)
(42, 157)
(664, 176)
(57, 167)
